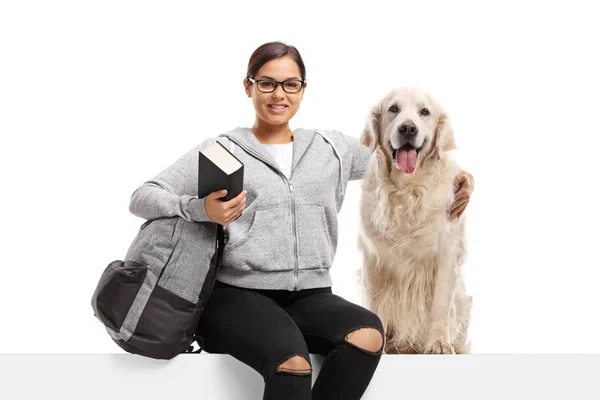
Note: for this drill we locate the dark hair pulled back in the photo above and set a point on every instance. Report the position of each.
(270, 51)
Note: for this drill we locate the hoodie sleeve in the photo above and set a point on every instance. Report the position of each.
(174, 191)
(360, 157)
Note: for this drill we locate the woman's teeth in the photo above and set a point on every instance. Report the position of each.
(277, 107)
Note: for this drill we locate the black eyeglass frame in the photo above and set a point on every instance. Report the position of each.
(257, 81)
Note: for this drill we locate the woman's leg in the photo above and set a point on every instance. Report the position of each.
(255, 330)
(351, 338)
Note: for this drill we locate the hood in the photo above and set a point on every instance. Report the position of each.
(303, 138)
(244, 137)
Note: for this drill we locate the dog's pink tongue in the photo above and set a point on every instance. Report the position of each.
(406, 160)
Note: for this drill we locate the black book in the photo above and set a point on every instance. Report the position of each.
(218, 169)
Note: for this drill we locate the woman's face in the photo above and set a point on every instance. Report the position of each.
(268, 106)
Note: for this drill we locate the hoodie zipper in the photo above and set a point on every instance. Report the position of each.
(293, 205)
(294, 230)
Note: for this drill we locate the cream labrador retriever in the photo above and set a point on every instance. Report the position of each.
(412, 252)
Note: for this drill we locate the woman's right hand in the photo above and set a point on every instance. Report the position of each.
(224, 212)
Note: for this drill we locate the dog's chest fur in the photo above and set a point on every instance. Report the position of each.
(409, 212)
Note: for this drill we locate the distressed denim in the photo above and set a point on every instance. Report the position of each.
(263, 328)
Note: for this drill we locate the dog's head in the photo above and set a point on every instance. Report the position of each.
(409, 126)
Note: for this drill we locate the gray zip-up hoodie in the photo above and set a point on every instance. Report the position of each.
(286, 237)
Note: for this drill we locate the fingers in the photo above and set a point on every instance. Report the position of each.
(460, 178)
(233, 203)
(225, 212)
(217, 195)
(459, 203)
(459, 182)
(232, 217)
(464, 181)
(457, 208)
(236, 210)
(457, 213)
(460, 196)
(471, 182)
(453, 215)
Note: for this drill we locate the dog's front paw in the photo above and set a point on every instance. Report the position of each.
(440, 346)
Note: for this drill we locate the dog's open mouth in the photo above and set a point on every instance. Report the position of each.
(405, 158)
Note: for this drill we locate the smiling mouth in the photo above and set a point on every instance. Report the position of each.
(277, 106)
(405, 158)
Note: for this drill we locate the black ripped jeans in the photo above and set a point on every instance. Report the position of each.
(263, 328)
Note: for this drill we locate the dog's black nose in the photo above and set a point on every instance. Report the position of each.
(408, 128)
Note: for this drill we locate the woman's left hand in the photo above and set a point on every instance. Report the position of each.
(465, 183)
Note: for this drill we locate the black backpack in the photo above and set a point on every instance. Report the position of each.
(150, 304)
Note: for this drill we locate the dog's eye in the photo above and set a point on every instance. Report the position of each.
(424, 112)
(394, 108)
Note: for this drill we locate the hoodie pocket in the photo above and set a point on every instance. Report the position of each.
(314, 239)
(261, 241)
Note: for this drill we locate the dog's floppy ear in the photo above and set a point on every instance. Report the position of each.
(444, 135)
(370, 135)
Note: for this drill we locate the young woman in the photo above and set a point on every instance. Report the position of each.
(272, 303)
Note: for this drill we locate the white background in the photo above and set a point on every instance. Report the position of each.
(97, 97)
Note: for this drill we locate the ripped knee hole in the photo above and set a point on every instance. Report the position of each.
(295, 364)
(369, 339)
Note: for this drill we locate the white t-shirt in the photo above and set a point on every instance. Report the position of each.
(282, 152)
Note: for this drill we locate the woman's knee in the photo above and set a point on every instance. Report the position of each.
(297, 364)
(368, 336)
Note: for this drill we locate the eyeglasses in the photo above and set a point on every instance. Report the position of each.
(269, 86)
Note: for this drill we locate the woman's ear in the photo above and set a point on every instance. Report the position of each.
(370, 134)
(303, 88)
(247, 87)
